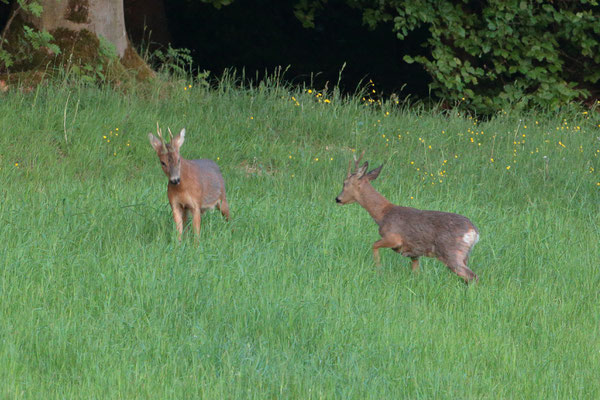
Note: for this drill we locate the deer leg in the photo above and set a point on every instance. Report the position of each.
(415, 264)
(224, 208)
(464, 272)
(459, 267)
(178, 217)
(386, 241)
(196, 218)
(184, 217)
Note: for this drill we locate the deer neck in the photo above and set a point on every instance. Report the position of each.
(188, 170)
(374, 202)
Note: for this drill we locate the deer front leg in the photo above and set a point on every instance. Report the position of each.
(197, 217)
(178, 216)
(185, 217)
(386, 241)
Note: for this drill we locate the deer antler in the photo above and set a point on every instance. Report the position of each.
(160, 136)
(170, 134)
(356, 162)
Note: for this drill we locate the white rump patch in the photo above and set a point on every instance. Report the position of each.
(471, 237)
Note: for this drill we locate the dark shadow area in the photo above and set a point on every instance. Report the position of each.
(260, 35)
(5, 12)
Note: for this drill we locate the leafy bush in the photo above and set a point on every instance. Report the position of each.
(491, 54)
(29, 42)
(496, 53)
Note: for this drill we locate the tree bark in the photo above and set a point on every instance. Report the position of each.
(77, 26)
(102, 17)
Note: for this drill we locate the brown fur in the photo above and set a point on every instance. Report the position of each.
(412, 232)
(194, 185)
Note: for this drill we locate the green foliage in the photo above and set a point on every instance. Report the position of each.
(99, 300)
(31, 7)
(173, 61)
(305, 11)
(498, 53)
(88, 73)
(93, 72)
(6, 59)
(106, 49)
(29, 42)
(93, 59)
(29, 45)
(38, 39)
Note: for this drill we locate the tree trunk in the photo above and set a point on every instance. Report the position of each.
(101, 17)
(77, 25)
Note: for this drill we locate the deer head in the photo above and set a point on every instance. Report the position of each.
(354, 182)
(168, 153)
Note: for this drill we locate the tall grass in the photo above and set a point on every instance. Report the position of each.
(99, 300)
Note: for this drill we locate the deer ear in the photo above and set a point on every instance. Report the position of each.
(155, 142)
(178, 140)
(361, 171)
(374, 173)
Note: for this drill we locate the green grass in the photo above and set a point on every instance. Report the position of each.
(99, 300)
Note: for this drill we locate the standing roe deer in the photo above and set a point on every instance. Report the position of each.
(194, 185)
(409, 231)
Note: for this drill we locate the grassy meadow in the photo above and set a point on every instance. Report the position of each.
(99, 300)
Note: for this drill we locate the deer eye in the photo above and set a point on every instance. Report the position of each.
(163, 164)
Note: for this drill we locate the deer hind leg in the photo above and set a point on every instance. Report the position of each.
(458, 264)
(223, 206)
(390, 241)
(415, 264)
(408, 253)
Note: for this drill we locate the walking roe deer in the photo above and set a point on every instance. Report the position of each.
(194, 185)
(409, 231)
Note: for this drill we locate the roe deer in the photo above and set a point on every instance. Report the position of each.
(194, 185)
(409, 231)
